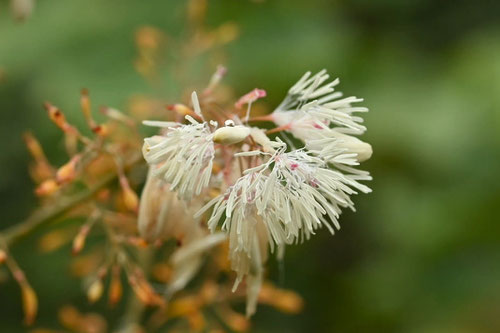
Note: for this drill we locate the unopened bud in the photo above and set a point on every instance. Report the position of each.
(30, 303)
(67, 172)
(251, 97)
(236, 321)
(101, 130)
(34, 146)
(94, 292)
(284, 300)
(3, 256)
(355, 145)
(144, 291)
(41, 170)
(79, 240)
(115, 287)
(47, 188)
(86, 110)
(57, 116)
(231, 134)
(180, 109)
(53, 240)
(130, 199)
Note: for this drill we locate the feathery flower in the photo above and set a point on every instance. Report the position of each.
(313, 111)
(183, 157)
(271, 195)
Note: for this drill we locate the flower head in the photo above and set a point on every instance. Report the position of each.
(183, 157)
(268, 193)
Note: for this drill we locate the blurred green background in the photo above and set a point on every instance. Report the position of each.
(422, 254)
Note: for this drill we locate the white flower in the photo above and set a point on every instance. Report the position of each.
(282, 197)
(183, 157)
(311, 111)
(281, 201)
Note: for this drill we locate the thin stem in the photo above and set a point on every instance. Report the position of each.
(135, 308)
(45, 215)
(268, 117)
(278, 129)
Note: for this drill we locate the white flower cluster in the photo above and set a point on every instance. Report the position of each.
(314, 114)
(183, 157)
(280, 196)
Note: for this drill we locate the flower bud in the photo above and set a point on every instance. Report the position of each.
(355, 145)
(101, 130)
(237, 322)
(30, 303)
(231, 134)
(57, 117)
(86, 109)
(47, 188)
(79, 240)
(250, 97)
(67, 172)
(95, 291)
(115, 287)
(180, 109)
(130, 199)
(3, 256)
(284, 300)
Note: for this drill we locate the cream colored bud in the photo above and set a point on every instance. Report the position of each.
(231, 134)
(355, 145)
(95, 290)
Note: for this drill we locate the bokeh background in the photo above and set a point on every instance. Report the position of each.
(422, 254)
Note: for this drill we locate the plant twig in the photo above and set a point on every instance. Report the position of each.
(47, 214)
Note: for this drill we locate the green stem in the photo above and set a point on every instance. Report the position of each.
(47, 214)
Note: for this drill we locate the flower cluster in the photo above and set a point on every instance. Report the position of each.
(265, 193)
